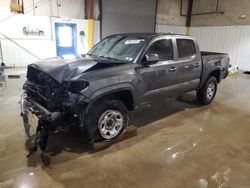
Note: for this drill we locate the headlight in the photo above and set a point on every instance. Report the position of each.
(76, 86)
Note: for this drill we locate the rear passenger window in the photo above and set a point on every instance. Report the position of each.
(163, 48)
(186, 48)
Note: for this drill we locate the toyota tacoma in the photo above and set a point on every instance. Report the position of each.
(121, 73)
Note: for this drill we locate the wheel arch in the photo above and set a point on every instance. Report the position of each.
(215, 72)
(122, 92)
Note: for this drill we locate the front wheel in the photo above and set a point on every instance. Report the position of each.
(207, 93)
(107, 120)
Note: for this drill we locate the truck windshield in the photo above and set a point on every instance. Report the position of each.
(123, 48)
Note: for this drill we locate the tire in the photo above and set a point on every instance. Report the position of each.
(207, 93)
(106, 120)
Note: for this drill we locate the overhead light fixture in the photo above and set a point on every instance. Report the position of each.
(243, 16)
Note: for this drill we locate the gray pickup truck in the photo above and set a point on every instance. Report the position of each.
(120, 74)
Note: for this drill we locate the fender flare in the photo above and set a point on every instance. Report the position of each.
(105, 91)
(206, 75)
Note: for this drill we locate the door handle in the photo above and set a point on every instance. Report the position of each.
(197, 65)
(172, 69)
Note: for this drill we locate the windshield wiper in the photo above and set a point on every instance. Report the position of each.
(109, 57)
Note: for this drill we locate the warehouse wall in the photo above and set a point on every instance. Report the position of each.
(21, 50)
(234, 40)
(54, 8)
(5, 6)
(226, 33)
(232, 10)
(170, 28)
(168, 13)
(121, 16)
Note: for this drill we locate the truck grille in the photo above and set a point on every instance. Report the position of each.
(44, 89)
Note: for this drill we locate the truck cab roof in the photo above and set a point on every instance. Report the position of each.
(151, 35)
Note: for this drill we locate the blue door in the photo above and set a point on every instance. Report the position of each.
(65, 39)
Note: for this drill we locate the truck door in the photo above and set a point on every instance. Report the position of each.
(158, 79)
(190, 63)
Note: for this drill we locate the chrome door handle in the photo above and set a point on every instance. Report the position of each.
(172, 69)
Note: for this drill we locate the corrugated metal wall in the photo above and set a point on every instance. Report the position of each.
(234, 40)
(13, 55)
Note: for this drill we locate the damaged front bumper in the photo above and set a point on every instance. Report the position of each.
(25, 114)
(59, 120)
(30, 106)
(49, 122)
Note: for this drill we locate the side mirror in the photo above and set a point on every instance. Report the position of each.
(151, 58)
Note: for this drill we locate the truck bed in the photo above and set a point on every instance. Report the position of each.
(211, 59)
(215, 57)
(204, 53)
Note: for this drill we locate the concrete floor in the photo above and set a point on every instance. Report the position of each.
(179, 144)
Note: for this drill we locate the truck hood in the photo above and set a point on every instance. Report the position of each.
(65, 70)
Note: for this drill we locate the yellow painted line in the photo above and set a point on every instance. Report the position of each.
(90, 33)
(187, 30)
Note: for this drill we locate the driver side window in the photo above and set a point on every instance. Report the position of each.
(163, 48)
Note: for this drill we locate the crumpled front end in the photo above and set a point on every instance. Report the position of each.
(52, 102)
(58, 106)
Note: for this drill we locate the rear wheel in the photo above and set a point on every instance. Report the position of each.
(207, 93)
(106, 120)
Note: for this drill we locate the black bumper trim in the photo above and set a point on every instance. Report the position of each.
(41, 112)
